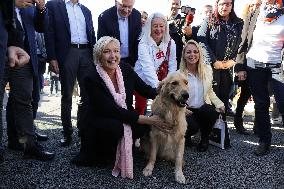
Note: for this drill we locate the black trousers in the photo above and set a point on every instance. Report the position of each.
(19, 107)
(202, 119)
(74, 67)
(243, 99)
(99, 144)
(258, 81)
(54, 82)
(223, 84)
(3, 49)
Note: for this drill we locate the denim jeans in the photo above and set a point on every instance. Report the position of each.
(259, 79)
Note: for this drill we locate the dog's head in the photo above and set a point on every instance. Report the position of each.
(175, 87)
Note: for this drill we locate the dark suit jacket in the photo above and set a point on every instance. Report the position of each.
(3, 44)
(58, 36)
(103, 111)
(108, 26)
(32, 21)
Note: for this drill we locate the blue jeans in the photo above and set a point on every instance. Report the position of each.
(258, 80)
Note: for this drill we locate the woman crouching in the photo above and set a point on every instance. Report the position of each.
(111, 122)
(201, 115)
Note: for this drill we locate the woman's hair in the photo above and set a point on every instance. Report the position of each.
(201, 64)
(143, 12)
(245, 11)
(100, 46)
(215, 19)
(146, 34)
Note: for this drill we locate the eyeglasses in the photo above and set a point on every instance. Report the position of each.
(225, 4)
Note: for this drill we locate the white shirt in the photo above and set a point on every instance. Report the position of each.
(77, 23)
(148, 62)
(123, 33)
(268, 39)
(196, 92)
(19, 16)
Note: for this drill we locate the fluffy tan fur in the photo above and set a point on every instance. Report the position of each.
(169, 105)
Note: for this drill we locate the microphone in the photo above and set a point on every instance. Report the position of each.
(189, 19)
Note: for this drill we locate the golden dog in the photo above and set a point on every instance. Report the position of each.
(170, 106)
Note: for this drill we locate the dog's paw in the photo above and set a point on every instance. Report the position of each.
(180, 178)
(147, 171)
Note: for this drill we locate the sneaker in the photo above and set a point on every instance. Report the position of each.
(49, 95)
(262, 149)
(277, 120)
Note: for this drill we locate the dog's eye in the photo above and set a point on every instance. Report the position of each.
(174, 83)
(186, 82)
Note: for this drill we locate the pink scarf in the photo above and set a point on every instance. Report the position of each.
(124, 159)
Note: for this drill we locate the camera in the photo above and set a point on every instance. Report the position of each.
(187, 10)
(188, 14)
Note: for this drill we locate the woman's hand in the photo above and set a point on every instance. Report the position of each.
(218, 65)
(221, 109)
(156, 122)
(188, 112)
(228, 64)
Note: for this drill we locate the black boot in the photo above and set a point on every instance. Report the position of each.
(203, 145)
(262, 149)
(15, 145)
(238, 122)
(66, 141)
(35, 151)
(41, 137)
(188, 142)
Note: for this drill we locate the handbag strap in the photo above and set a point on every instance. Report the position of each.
(168, 53)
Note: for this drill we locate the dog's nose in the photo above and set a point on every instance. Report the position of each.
(185, 95)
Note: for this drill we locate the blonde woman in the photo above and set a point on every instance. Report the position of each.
(111, 122)
(203, 103)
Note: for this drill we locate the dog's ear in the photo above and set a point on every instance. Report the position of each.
(160, 86)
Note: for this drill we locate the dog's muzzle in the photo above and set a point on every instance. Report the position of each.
(181, 100)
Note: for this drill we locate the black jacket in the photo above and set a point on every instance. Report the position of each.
(103, 112)
(214, 40)
(108, 26)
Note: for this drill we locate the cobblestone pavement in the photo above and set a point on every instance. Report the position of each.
(236, 167)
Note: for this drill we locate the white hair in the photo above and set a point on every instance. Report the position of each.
(120, 1)
(146, 34)
(100, 46)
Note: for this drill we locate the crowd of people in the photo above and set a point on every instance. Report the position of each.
(131, 53)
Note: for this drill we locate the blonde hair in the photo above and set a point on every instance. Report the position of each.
(201, 65)
(100, 46)
(146, 34)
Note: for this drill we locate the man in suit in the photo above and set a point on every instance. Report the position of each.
(3, 49)
(30, 16)
(69, 44)
(122, 22)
